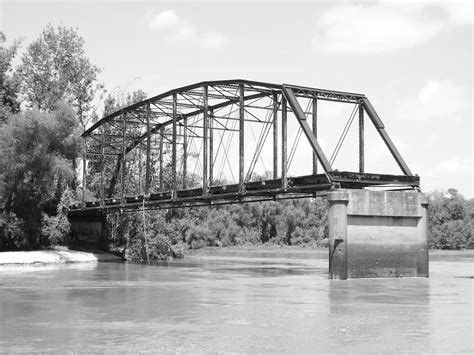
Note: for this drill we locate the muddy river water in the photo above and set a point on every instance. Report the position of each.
(235, 301)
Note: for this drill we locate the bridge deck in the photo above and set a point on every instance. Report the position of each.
(254, 191)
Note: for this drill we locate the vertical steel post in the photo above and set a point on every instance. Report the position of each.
(102, 169)
(173, 152)
(205, 142)
(162, 132)
(84, 171)
(361, 139)
(211, 147)
(275, 136)
(241, 137)
(124, 153)
(185, 152)
(284, 115)
(315, 132)
(140, 168)
(148, 149)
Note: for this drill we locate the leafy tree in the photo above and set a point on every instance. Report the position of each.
(56, 229)
(55, 68)
(115, 103)
(9, 81)
(11, 232)
(36, 154)
(450, 222)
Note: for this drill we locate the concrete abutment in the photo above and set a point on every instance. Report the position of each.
(88, 230)
(377, 234)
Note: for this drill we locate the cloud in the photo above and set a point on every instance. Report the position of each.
(383, 27)
(165, 19)
(180, 31)
(436, 100)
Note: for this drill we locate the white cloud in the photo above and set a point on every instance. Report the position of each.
(181, 31)
(165, 19)
(437, 100)
(381, 27)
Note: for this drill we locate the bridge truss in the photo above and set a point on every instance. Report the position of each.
(200, 145)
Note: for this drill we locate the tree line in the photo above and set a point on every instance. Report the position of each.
(47, 101)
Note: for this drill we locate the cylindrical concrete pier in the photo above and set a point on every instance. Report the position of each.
(422, 257)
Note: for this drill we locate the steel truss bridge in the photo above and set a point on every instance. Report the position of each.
(200, 145)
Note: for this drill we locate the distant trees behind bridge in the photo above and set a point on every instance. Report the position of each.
(48, 99)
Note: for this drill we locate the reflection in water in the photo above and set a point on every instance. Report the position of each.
(233, 302)
(371, 314)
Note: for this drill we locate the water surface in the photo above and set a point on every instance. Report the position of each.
(234, 301)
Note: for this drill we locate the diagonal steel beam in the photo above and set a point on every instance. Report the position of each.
(299, 113)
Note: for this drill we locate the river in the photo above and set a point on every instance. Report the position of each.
(235, 301)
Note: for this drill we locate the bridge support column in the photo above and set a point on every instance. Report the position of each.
(377, 234)
(88, 230)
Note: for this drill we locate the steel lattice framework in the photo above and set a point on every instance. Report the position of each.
(189, 147)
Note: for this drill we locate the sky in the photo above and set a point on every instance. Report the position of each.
(413, 60)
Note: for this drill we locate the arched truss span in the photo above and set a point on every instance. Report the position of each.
(201, 144)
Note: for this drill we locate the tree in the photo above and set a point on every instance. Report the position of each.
(450, 222)
(9, 81)
(56, 229)
(36, 154)
(55, 69)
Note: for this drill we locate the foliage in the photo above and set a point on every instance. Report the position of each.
(200, 237)
(128, 237)
(56, 229)
(12, 236)
(55, 69)
(450, 221)
(36, 154)
(9, 81)
(294, 222)
(114, 103)
(298, 222)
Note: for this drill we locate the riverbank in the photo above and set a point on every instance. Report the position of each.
(54, 256)
(61, 256)
(272, 249)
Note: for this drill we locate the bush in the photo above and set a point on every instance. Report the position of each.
(200, 237)
(56, 229)
(11, 232)
(136, 251)
(159, 247)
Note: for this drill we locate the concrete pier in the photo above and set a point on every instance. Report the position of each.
(377, 234)
(88, 230)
